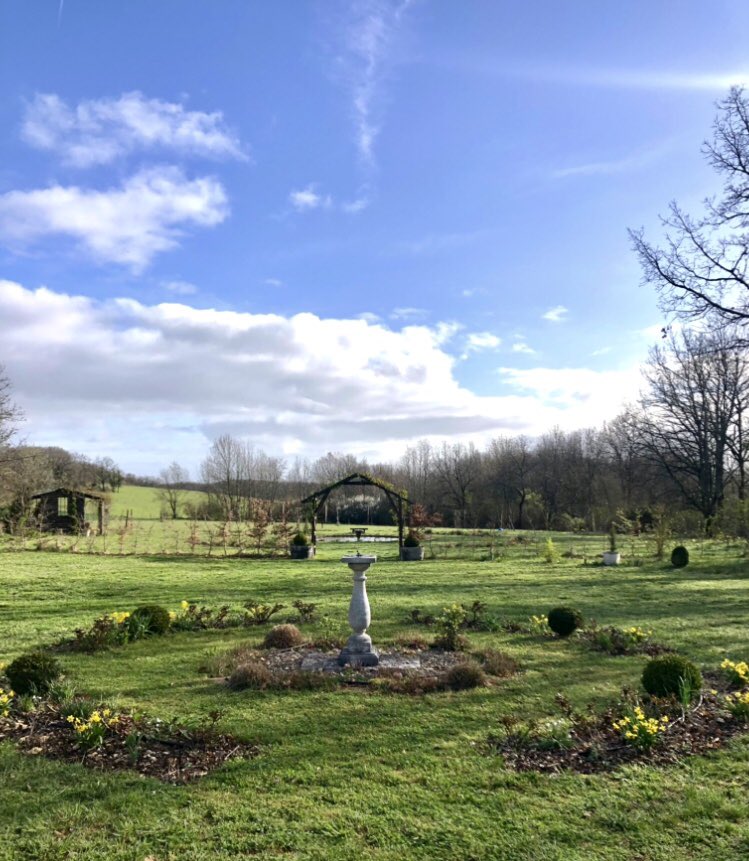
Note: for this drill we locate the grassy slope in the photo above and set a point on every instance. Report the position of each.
(144, 502)
(351, 775)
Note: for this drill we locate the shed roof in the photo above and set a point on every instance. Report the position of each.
(68, 491)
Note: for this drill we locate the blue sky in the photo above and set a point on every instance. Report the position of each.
(339, 225)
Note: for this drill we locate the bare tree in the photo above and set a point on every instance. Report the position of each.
(458, 469)
(701, 270)
(171, 490)
(696, 386)
(10, 414)
(510, 464)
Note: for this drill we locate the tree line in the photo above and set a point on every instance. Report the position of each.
(682, 447)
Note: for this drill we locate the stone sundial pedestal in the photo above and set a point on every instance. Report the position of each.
(358, 651)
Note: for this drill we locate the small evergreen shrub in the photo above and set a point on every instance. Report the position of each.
(563, 621)
(551, 553)
(148, 619)
(449, 624)
(253, 676)
(300, 540)
(463, 677)
(671, 675)
(680, 557)
(411, 540)
(33, 673)
(283, 637)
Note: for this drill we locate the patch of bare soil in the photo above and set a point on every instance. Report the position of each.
(163, 751)
(593, 745)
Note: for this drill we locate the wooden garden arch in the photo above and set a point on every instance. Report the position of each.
(398, 500)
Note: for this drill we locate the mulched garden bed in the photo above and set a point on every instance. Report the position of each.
(596, 747)
(174, 755)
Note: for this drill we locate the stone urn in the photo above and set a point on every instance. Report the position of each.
(358, 651)
(302, 551)
(412, 554)
(612, 557)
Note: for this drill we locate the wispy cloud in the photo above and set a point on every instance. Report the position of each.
(652, 79)
(612, 78)
(306, 199)
(606, 167)
(558, 314)
(363, 63)
(98, 131)
(407, 313)
(180, 288)
(309, 198)
(522, 347)
(128, 225)
(478, 342)
(273, 282)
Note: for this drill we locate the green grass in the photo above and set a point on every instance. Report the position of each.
(353, 775)
(144, 502)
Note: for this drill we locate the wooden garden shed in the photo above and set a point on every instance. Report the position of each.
(71, 511)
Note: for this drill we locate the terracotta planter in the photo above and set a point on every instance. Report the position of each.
(302, 551)
(412, 554)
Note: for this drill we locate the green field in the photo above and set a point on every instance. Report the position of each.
(144, 502)
(357, 775)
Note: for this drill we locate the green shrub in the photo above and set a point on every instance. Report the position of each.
(411, 540)
(300, 540)
(680, 557)
(551, 553)
(307, 612)
(259, 614)
(33, 673)
(449, 624)
(283, 637)
(253, 675)
(462, 677)
(564, 620)
(671, 675)
(148, 619)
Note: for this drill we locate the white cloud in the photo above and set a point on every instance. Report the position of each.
(522, 347)
(355, 206)
(98, 131)
(273, 282)
(482, 341)
(592, 396)
(369, 32)
(173, 376)
(558, 314)
(407, 313)
(180, 288)
(306, 199)
(128, 225)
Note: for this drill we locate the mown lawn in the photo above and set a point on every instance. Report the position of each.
(351, 774)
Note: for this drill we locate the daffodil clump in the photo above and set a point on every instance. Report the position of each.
(91, 731)
(538, 625)
(640, 730)
(638, 635)
(6, 699)
(737, 672)
(738, 705)
(119, 618)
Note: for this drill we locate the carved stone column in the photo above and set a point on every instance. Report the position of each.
(358, 651)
